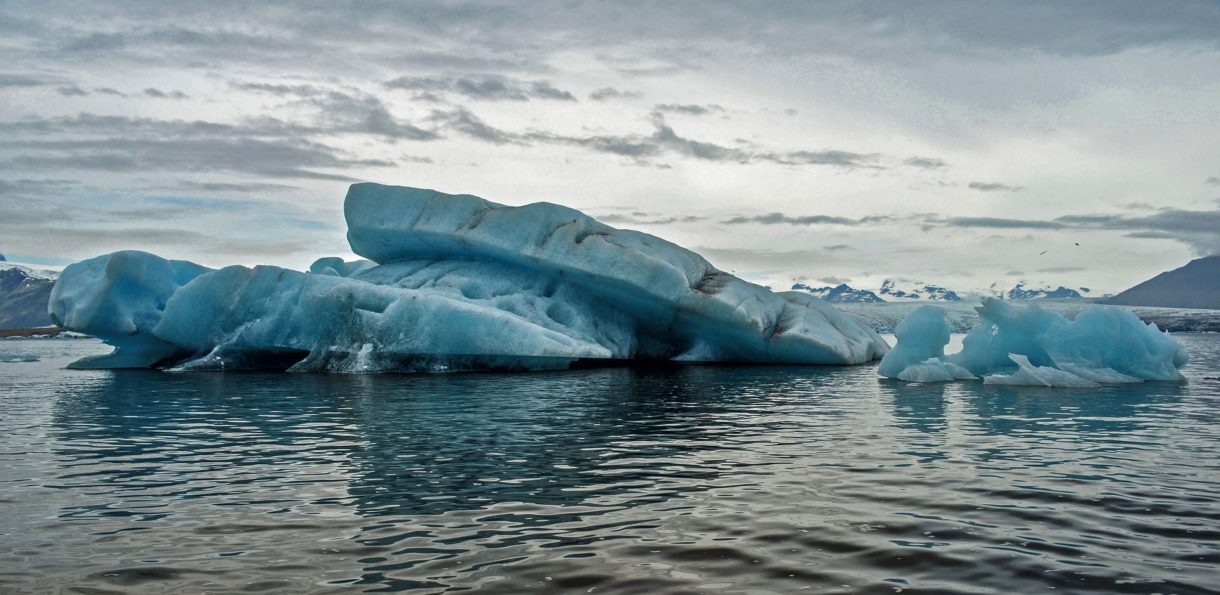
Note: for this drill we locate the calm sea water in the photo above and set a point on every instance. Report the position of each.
(686, 479)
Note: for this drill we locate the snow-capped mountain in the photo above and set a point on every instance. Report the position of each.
(840, 294)
(892, 290)
(24, 293)
(28, 271)
(1021, 292)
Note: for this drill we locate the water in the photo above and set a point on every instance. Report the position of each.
(687, 479)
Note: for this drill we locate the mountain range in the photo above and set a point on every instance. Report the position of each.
(840, 294)
(892, 291)
(919, 291)
(24, 294)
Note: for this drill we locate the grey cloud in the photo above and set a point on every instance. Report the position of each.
(145, 215)
(1001, 223)
(428, 97)
(777, 261)
(361, 113)
(843, 159)
(1062, 269)
(485, 87)
(690, 109)
(87, 161)
(80, 242)
(342, 112)
(482, 88)
(34, 187)
(637, 148)
(241, 187)
(159, 94)
(833, 280)
(236, 248)
(545, 90)
(1169, 220)
(1198, 229)
(269, 158)
(221, 40)
(71, 91)
(607, 93)
(896, 31)
(465, 122)
(994, 187)
(1213, 180)
(29, 214)
(926, 162)
(836, 248)
(109, 91)
(666, 137)
(338, 113)
(94, 124)
(94, 42)
(25, 80)
(638, 218)
(663, 140)
(464, 61)
(661, 70)
(782, 219)
(280, 89)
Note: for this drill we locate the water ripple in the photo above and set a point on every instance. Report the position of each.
(680, 479)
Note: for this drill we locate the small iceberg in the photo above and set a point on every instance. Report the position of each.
(15, 358)
(451, 282)
(1033, 347)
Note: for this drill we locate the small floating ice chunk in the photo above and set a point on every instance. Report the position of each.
(14, 358)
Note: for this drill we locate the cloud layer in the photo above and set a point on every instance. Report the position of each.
(940, 137)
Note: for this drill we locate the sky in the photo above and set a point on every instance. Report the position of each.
(959, 143)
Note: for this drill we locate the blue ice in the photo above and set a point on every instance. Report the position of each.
(1031, 346)
(451, 282)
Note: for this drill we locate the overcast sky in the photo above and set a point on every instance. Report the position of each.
(945, 142)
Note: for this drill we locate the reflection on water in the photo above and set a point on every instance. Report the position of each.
(618, 480)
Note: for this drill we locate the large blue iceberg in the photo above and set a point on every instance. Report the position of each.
(452, 282)
(1031, 346)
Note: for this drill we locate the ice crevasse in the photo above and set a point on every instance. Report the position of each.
(1033, 347)
(451, 282)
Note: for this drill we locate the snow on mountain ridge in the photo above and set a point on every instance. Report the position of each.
(23, 297)
(839, 294)
(1021, 292)
(29, 271)
(917, 291)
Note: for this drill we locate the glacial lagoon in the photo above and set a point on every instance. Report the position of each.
(680, 478)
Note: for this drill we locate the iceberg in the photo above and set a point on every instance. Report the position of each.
(919, 355)
(1035, 347)
(451, 282)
